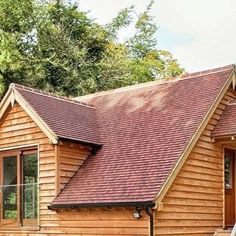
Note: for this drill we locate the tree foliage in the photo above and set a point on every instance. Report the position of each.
(56, 47)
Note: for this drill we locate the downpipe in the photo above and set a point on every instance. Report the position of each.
(150, 214)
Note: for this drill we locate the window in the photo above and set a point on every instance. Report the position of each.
(19, 188)
(229, 155)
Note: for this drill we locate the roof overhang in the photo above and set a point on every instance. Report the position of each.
(56, 207)
(224, 138)
(84, 142)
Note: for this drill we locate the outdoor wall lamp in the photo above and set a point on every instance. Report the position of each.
(137, 213)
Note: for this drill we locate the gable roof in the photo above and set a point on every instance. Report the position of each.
(64, 118)
(226, 125)
(145, 130)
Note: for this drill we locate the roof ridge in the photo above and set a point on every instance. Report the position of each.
(209, 71)
(159, 82)
(48, 94)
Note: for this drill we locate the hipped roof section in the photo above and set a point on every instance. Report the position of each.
(62, 117)
(145, 130)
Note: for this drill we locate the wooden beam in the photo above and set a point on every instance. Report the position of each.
(18, 188)
(57, 169)
(223, 156)
(234, 81)
(1, 192)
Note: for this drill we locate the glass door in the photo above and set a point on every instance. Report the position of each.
(9, 191)
(229, 159)
(29, 191)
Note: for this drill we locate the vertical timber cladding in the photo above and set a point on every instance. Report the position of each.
(194, 203)
(18, 129)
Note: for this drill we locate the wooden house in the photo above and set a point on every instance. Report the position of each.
(150, 159)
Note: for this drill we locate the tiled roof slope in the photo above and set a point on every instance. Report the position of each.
(144, 129)
(226, 125)
(65, 117)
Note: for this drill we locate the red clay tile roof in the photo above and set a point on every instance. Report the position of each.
(144, 129)
(65, 117)
(226, 126)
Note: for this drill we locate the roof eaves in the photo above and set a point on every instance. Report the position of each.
(85, 142)
(223, 135)
(100, 204)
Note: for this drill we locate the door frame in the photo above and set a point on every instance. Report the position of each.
(234, 182)
(4, 155)
(17, 150)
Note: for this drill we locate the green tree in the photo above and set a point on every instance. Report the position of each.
(15, 24)
(148, 62)
(56, 47)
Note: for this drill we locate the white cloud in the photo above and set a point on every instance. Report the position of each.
(211, 25)
(105, 10)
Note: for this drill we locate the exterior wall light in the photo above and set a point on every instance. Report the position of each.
(137, 213)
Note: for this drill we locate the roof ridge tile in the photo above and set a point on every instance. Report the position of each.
(48, 94)
(208, 71)
(158, 82)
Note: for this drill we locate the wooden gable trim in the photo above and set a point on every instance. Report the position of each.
(234, 82)
(194, 139)
(4, 104)
(9, 99)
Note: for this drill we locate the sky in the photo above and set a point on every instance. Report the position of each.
(200, 34)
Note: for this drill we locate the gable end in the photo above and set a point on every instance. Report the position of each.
(231, 80)
(13, 96)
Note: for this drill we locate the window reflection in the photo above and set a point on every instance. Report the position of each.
(229, 154)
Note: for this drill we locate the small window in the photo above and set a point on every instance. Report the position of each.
(229, 155)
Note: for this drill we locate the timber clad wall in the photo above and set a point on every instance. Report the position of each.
(104, 222)
(70, 158)
(18, 129)
(194, 203)
(100, 221)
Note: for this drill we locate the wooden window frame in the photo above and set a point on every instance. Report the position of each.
(18, 152)
(233, 148)
(231, 171)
